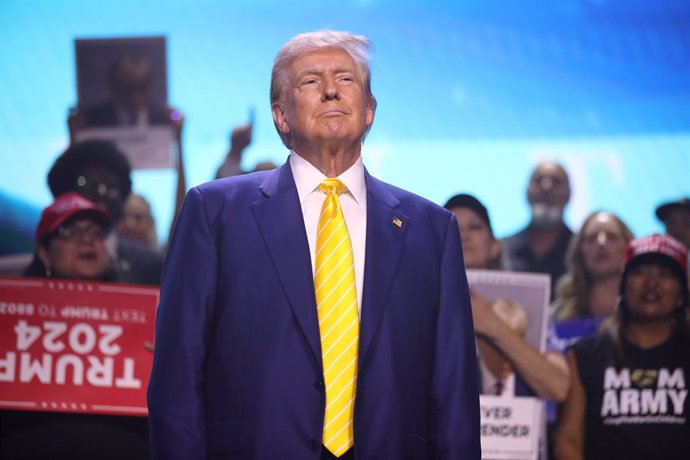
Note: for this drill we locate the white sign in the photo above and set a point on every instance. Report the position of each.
(530, 290)
(149, 147)
(510, 427)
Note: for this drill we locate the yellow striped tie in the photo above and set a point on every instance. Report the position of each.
(336, 300)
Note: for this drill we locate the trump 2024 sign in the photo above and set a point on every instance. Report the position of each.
(75, 346)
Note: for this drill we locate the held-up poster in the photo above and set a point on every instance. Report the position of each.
(75, 346)
(512, 420)
(123, 97)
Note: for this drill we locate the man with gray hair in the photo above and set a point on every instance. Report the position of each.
(541, 246)
(313, 311)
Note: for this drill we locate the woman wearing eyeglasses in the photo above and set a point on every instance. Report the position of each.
(70, 241)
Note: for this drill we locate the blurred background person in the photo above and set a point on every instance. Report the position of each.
(97, 170)
(544, 374)
(628, 399)
(479, 246)
(541, 246)
(265, 166)
(588, 292)
(137, 222)
(240, 139)
(675, 216)
(70, 240)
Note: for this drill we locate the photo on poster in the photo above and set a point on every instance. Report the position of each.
(511, 414)
(122, 96)
(530, 292)
(122, 81)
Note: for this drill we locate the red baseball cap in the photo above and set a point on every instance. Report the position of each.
(64, 207)
(656, 244)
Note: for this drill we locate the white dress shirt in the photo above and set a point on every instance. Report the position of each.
(489, 382)
(353, 203)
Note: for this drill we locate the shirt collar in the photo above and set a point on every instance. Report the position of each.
(308, 177)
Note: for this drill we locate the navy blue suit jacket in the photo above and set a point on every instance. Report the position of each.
(237, 367)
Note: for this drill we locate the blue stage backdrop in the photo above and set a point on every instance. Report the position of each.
(471, 94)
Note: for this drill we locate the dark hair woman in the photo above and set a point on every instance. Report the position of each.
(70, 242)
(628, 398)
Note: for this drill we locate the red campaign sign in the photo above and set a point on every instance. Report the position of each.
(75, 346)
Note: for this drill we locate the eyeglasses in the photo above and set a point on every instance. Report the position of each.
(73, 234)
(94, 188)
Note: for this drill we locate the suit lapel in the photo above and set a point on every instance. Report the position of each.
(280, 221)
(386, 231)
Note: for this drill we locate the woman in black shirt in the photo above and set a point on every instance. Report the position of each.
(628, 398)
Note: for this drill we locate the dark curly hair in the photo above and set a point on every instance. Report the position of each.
(99, 153)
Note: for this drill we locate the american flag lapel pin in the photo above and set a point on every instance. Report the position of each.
(397, 222)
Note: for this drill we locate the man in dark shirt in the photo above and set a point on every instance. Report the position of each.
(542, 245)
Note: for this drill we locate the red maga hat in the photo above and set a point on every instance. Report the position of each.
(64, 207)
(664, 245)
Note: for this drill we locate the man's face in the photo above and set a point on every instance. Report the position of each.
(479, 247)
(652, 293)
(133, 93)
(324, 101)
(132, 83)
(548, 192)
(602, 246)
(77, 250)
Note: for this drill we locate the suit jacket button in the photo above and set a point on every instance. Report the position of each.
(314, 444)
(319, 385)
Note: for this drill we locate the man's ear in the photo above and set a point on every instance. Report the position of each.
(279, 117)
(371, 109)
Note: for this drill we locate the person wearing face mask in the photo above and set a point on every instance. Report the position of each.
(541, 246)
(505, 356)
(628, 399)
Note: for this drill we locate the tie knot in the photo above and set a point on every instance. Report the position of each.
(332, 185)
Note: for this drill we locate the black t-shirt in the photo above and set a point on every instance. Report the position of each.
(518, 255)
(637, 406)
(28, 435)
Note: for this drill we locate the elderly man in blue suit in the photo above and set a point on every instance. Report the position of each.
(313, 311)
